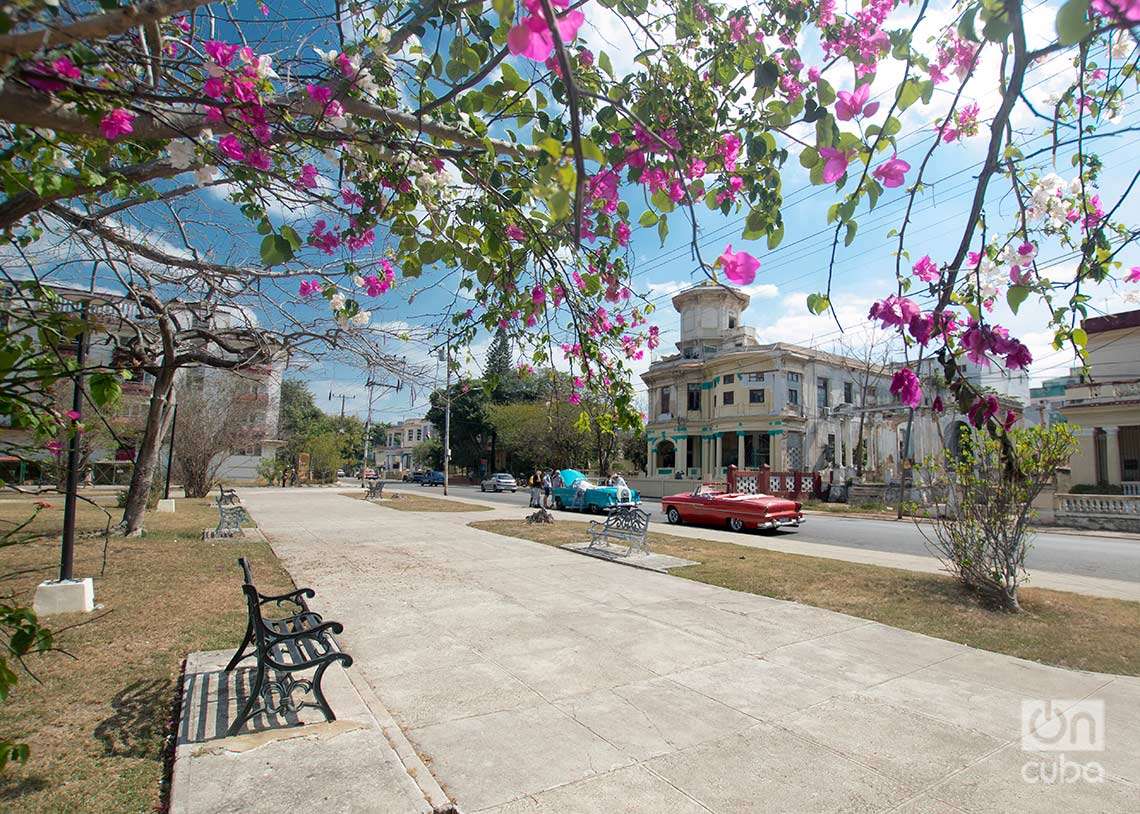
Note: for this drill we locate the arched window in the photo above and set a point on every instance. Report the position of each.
(666, 455)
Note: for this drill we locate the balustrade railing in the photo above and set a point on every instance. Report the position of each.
(791, 484)
(1098, 505)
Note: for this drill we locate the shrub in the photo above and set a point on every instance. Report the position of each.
(984, 536)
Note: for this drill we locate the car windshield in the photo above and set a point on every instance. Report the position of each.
(502, 476)
(704, 490)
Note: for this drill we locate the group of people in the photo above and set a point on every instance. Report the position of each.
(542, 483)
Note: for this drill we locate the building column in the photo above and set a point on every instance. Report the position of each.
(740, 449)
(718, 457)
(776, 452)
(1112, 453)
(680, 452)
(650, 459)
(1082, 466)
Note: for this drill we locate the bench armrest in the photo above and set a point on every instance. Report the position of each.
(304, 593)
(308, 633)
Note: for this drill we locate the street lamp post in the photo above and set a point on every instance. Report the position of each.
(447, 419)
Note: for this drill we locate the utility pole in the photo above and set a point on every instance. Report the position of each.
(447, 418)
(367, 426)
(342, 397)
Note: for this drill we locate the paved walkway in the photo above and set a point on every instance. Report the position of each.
(531, 679)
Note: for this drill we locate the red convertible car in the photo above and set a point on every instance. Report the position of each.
(706, 505)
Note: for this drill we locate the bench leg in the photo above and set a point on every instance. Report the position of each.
(240, 653)
(319, 694)
(254, 697)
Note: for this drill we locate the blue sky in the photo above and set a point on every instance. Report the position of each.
(863, 272)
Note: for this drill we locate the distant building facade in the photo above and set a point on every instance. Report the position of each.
(402, 440)
(725, 399)
(1104, 403)
(108, 450)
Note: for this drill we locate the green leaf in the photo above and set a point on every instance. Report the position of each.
(1072, 22)
(1080, 338)
(648, 218)
(662, 229)
(271, 253)
(590, 151)
(852, 227)
(1016, 296)
(105, 388)
(997, 28)
(291, 236)
(505, 9)
(755, 220)
(909, 93)
(775, 237)
(818, 303)
(966, 24)
(605, 64)
(809, 157)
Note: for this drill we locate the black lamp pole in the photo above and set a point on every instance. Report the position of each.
(67, 552)
(170, 453)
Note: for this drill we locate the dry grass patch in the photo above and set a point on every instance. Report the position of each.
(406, 502)
(97, 722)
(1065, 629)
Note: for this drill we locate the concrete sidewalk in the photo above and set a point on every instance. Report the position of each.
(531, 679)
(789, 543)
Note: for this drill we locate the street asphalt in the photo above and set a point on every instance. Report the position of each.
(1083, 554)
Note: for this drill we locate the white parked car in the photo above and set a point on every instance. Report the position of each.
(499, 482)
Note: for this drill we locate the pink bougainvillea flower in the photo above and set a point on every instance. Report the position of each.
(222, 53)
(119, 122)
(259, 160)
(739, 267)
(575, 398)
(515, 233)
(1127, 11)
(906, 387)
(621, 233)
(926, 269)
(835, 163)
(937, 405)
(891, 173)
(321, 94)
(1133, 275)
(538, 296)
(351, 198)
(894, 311)
(983, 410)
(729, 150)
(854, 103)
(308, 177)
(214, 87)
(74, 415)
(532, 39)
(54, 447)
(231, 148)
(1010, 420)
(309, 287)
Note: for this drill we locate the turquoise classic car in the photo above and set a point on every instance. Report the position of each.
(577, 493)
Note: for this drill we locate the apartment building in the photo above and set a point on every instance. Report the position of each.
(725, 399)
(402, 440)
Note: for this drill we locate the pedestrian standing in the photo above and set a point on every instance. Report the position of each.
(535, 484)
(546, 486)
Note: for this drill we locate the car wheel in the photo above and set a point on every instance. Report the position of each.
(673, 516)
(482, 488)
(736, 524)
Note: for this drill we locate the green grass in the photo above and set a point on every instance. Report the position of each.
(1055, 627)
(97, 721)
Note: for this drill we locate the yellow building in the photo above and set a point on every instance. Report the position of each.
(1105, 404)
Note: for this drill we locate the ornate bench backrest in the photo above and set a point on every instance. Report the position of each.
(628, 518)
(246, 570)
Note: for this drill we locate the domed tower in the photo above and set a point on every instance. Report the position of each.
(710, 320)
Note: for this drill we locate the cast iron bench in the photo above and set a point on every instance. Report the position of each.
(284, 646)
(375, 489)
(227, 497)
(627, 524)
(230, 518)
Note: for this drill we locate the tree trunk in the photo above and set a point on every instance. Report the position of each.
(860, 452)
(146, 455)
